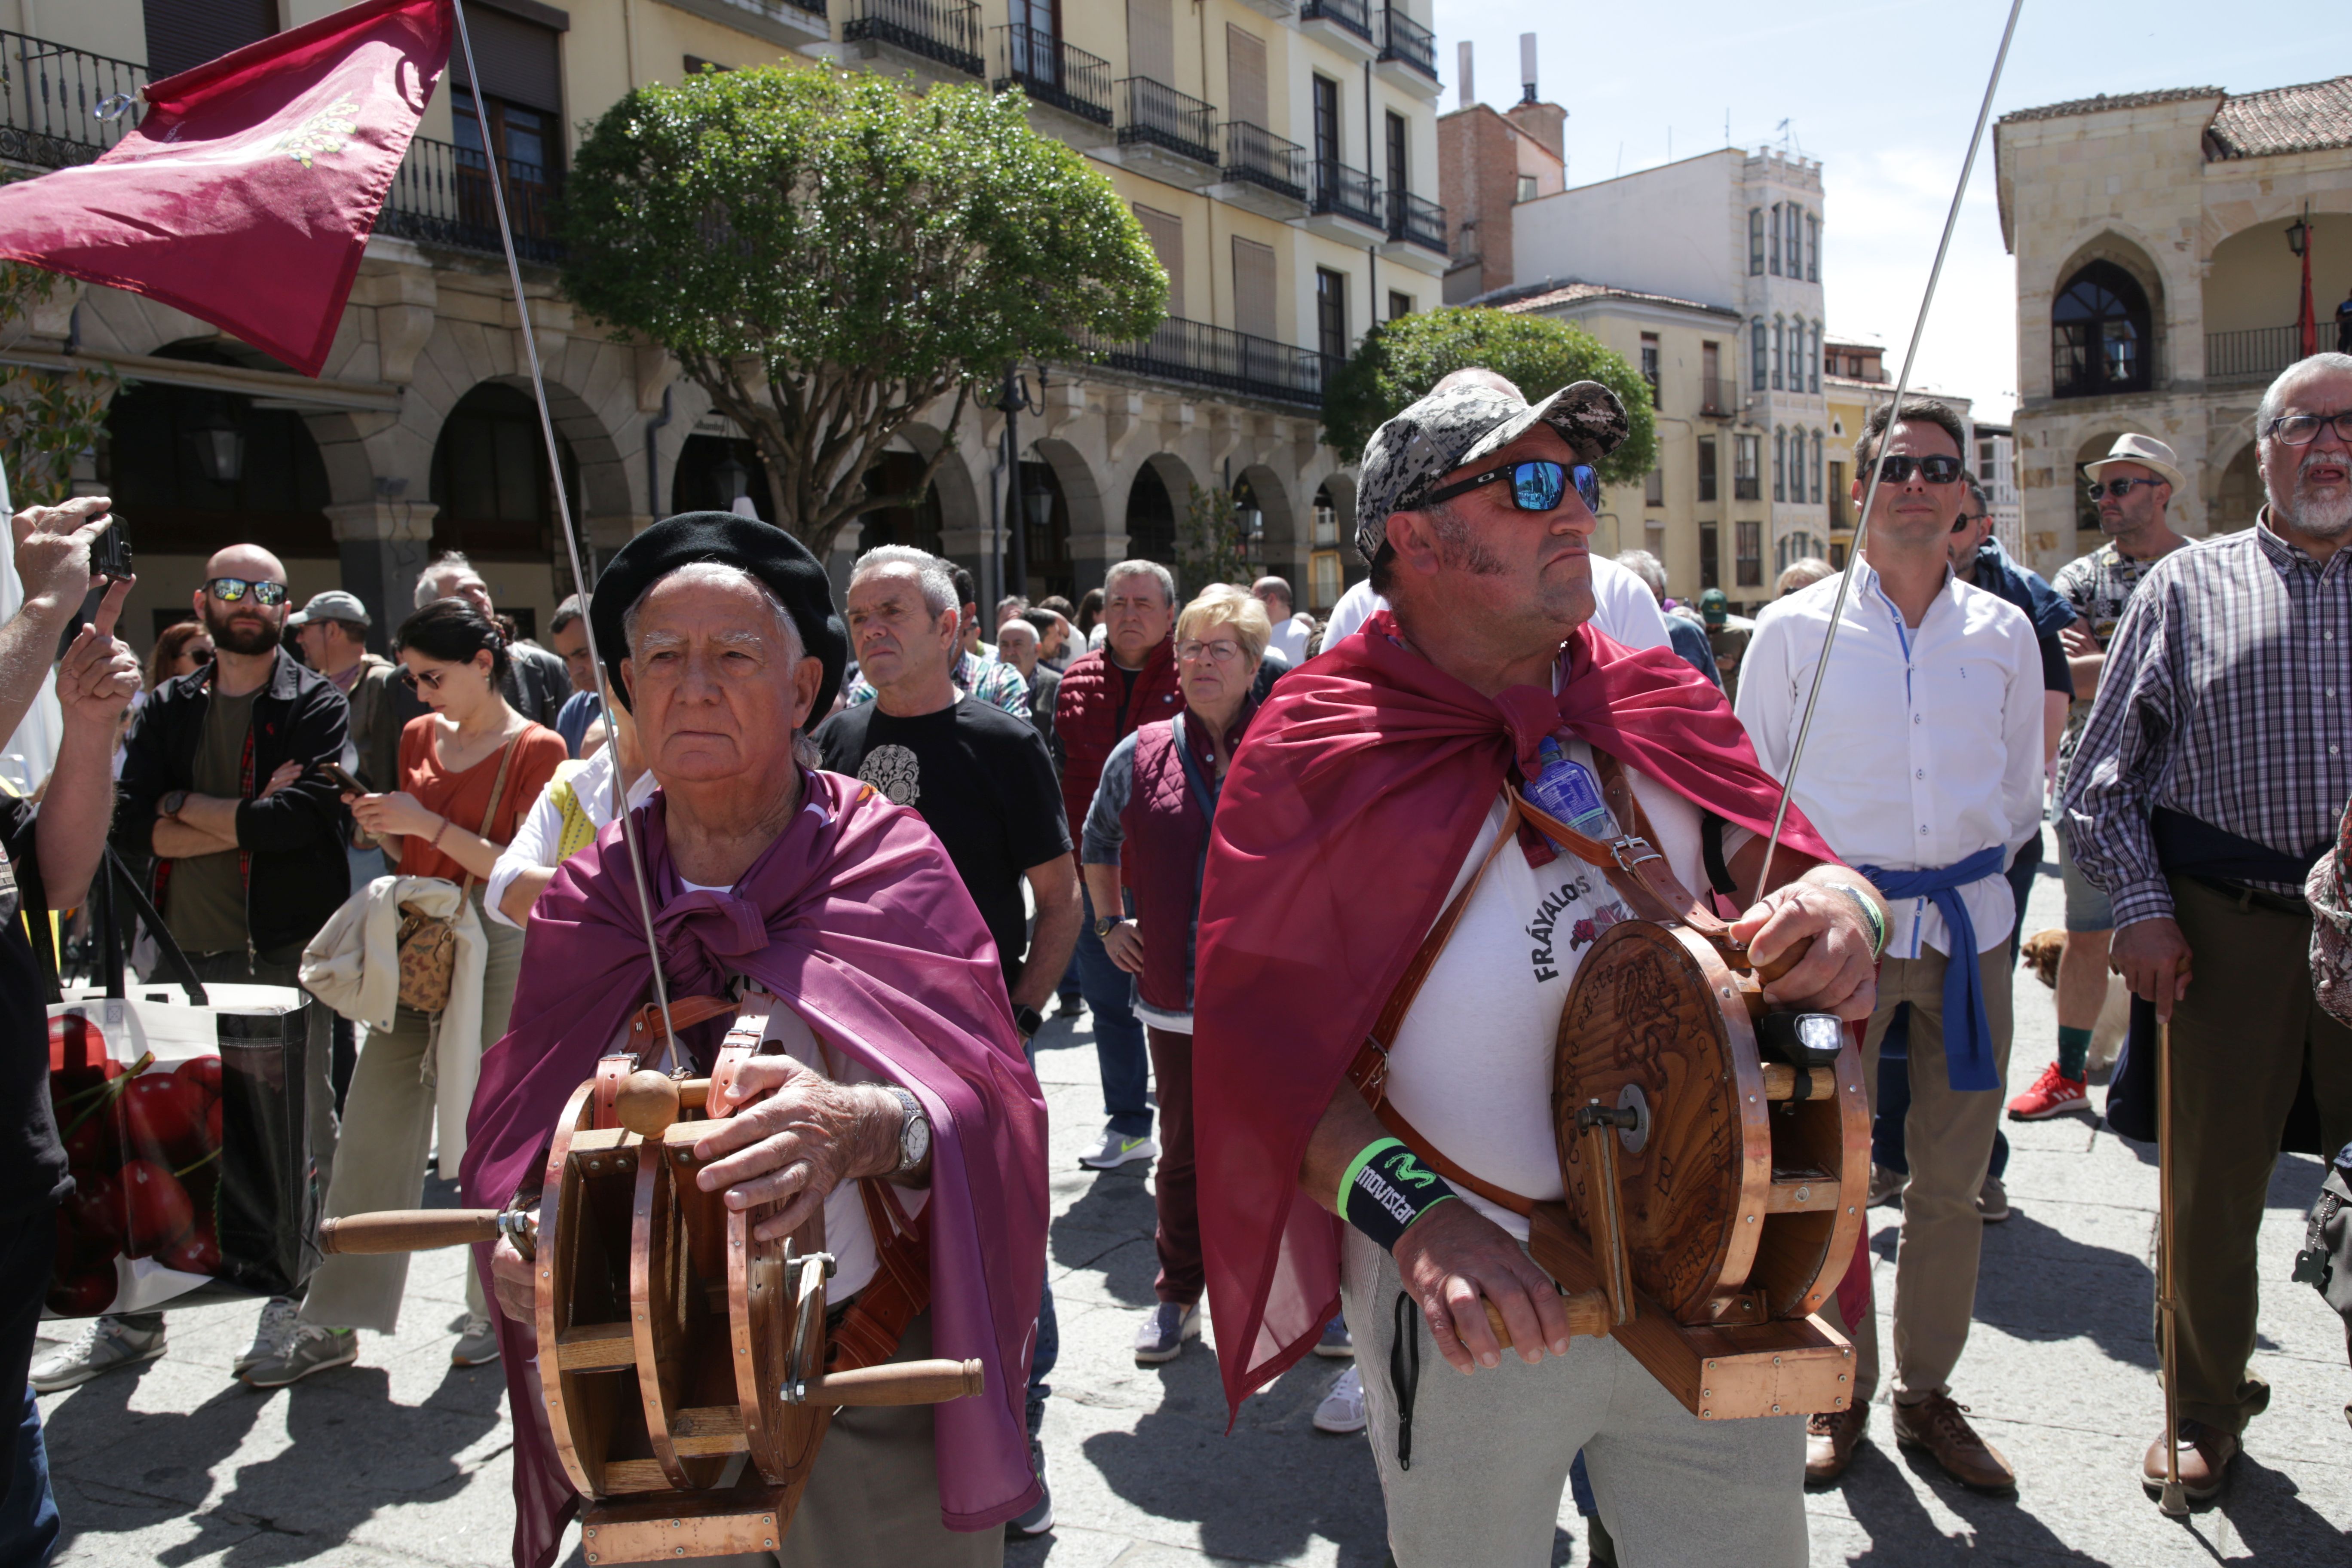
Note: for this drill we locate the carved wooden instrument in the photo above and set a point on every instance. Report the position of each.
(682, 1361)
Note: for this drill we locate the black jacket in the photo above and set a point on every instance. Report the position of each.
(296, 873)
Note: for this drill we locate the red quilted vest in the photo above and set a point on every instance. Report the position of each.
(1097, 710)
(1165, 833)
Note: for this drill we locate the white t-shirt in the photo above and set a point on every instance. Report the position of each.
(1471, 1067)
(540, 832)
(1622, 606)
(1290, 635)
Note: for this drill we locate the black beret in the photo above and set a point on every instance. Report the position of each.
(763, 549)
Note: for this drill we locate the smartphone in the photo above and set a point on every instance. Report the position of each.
(111, 555)
(335, 773)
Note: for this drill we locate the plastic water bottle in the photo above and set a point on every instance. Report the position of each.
(1567, 789)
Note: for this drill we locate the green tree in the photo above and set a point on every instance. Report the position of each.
(1210, 547)
(827, 254)
(47, 418)
(1400, 359)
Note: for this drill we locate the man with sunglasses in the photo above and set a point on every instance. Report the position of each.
(2209, 780)
(2131, 488)
(1924, 768)
(1373, 783)
(241, 842)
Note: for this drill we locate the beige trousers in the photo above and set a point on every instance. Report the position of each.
(1948, 1138)
(387, 1135)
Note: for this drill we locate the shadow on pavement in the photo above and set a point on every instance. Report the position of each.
(2039, 1284)
(1099, 1232)
(1903, 1535)
(141, 1467)
(2279, 1529)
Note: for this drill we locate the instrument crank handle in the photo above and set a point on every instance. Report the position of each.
(1588, 1316)
(423, 1230)
(893, 1383)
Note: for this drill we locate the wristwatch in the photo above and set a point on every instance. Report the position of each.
(1028, 1020)
(914, 1132)
(1103, 924)
(172, 802)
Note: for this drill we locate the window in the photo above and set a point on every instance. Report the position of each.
(1165, 231)
(1400, 304)
(1984, 458)
(1397, 177)
(1746, 457)
(1710, 556)
(1653, 488)
(1814, 373)
(2099, 334)
(1253, 288)
(1326, 520)
(1750, 554)
(1795, 229)
(1756, 244)
(1650, 366)
(1777, 354)
(1326, 129)
(1710, 372)
(1812, 247)
(185, 33)
(1773, 264)
(1706, 468)
(1245, 76)
(1839, 501)
(526, 140)
(1756, 332)
(1780, 465)
(1527, 191)
(1332, 313)
(1817, 467)
(1323, 580)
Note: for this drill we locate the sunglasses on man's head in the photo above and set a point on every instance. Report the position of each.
(1537, 485)
(229, 590)
(1936, 470)
(2118, 488)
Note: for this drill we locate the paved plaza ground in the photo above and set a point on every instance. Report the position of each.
(403, 1460)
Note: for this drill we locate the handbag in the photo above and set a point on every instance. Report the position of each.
(428, 944)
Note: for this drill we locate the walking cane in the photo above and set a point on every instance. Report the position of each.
(2174, 1502)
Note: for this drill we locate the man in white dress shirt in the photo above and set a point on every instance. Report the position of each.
(1923, 771)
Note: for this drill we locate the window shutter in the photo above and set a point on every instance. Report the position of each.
(1151, 41)
(1253, 288)
(1246, 76)
(520, 61)
(185, 33)
(1166, 233)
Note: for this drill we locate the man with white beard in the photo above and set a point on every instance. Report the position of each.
(2208, 782)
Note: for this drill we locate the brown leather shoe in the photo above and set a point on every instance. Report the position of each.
(1829, 1439)
(1940, 1426)
(2205, 1456)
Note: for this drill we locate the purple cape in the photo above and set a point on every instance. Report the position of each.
(856, 919)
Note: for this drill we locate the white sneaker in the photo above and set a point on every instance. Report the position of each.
(478, 1343)
(272, 1337)
(1165, 1329)
(1115, 1149)
(309, 1349)
(1342, 1409)
(103, 1344)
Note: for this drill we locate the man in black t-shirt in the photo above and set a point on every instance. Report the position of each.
(47, 858)
(984, 781)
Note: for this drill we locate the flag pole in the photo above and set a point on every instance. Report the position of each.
(570, 536)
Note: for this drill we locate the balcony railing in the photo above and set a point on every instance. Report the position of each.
(60, 107)
(1718, 397)
(441, 196)
(1203, 355)
(1158, 114)
(1355, 16)
(1350, 193)
(947, 31)
(1416, 221)
(1053, 72)
(1750, 488)
(2260, 352)
(1410, 43)
(1255, 154)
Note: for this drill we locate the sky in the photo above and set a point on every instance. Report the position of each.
(1884, 95)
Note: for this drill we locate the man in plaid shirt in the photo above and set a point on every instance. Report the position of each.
(2208, 779)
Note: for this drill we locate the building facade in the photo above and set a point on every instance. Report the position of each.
(1856, 382)
(1280, 155)
(2159, 239)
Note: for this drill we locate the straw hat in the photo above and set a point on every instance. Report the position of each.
(2148, 452)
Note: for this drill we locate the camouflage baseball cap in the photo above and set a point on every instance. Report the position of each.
(1406, 457)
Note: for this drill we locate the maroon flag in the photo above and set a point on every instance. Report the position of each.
(246, 195)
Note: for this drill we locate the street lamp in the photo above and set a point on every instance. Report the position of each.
(2298, 235)
(1013, 402)
(734, 480)
(219, 442)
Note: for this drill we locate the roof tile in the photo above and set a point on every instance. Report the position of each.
(2302, 119)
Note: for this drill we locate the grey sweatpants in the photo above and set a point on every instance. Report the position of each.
(1491, 1453)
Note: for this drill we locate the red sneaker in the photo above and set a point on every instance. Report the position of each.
(2052, 1094)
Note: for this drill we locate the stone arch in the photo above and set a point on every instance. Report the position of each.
(1084, 528)
(2238, 494)
(1281, 549)
(2133, 255)
(2251, 287)
(1157, 499)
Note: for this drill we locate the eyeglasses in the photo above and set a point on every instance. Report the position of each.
(1223, 651)
(1537, 485)
(1961, 524)
(229, 590)
(2302, 429)
(1936, 470)
(2122, 488)
(410, 678)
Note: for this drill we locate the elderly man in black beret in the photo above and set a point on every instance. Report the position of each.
(891, 1093)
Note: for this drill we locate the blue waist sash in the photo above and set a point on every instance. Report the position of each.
(1967, 1028)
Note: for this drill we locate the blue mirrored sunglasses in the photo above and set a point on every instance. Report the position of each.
(1537, 485)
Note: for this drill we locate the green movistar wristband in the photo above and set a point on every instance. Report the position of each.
(1869, 913)
(1386, 1188)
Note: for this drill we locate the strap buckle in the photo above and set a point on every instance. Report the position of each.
(1632, 850)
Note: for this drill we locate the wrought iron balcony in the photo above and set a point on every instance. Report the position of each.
(1410, 44)
(1355, 16)
(1053, 72)
(1718, 397)
(1416, 221)
(1202, 355)
(60, 107)
(1160, 116)
(2260, 353)
(441, 197)
(946, 31)
(1350, 194)
(1255, 155)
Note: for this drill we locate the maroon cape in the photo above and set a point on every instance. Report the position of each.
(856, 918)
(1349, 807)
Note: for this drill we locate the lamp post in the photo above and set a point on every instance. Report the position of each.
(1014, 401)
(734, 480)
(219, 442)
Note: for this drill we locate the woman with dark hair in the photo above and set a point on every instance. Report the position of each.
(182, 649)
(1090, 619)
(470, 769)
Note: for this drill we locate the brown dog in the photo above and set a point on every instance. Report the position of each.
(2040, 954)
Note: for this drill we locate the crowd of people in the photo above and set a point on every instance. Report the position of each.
(1208, 824)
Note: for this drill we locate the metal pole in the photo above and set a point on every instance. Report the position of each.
(1016, 537)
(2173, 1502)
(563, 512)
(1895, 408)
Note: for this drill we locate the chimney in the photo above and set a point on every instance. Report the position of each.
(1466, 95)
(1542, 122)
(1527, 68)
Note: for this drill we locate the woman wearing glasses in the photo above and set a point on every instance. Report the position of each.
(469, 771)
(1158, 793)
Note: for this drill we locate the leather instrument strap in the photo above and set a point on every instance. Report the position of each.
(1633, 866)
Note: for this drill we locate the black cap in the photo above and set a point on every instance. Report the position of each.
(763, 549)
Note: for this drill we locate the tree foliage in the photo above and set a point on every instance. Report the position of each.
(1209, 545)
(826, 254)
(47, 418)
(1400, 359)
